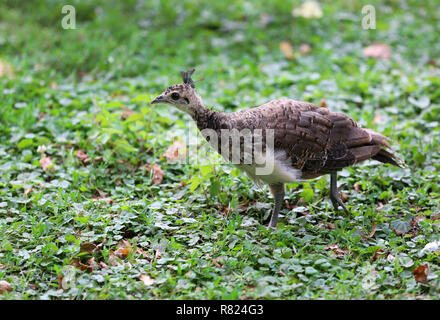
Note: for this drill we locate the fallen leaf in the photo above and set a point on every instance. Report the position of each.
(432, 62)
(377, 118)
(97, 159)
(124, 248)
(27, 191)
(91, 264)
(175, 152)
(103, 265)
(82, 156)
(146, 279)
(265, 19)
(124, 244)
(330, 225)
(5, 286)
(78, 264)
(378, 50)
(286, 49)
(112, 259)
(32, 286)
(323, 103)
(436, 217)
(357, 187)
(218, 265)
(102, 197)
(122, 253)
(126, 113)
(157, 173)
(415, 221)
(335, 248)
(379, 254)
(373, 231)
(157, 254)
(304, 49)
(87, 247)
(45, 163)
(421, 273)
(6, 69)
(308, 9)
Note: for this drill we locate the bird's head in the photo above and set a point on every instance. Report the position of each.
(182, 95)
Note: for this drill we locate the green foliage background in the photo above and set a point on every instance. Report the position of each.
(72, 89)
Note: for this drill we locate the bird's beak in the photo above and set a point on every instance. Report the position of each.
(158, 99)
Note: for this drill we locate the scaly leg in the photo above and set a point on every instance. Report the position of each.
(334, 192)
(278, 195)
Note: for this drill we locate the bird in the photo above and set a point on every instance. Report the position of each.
(299, 140)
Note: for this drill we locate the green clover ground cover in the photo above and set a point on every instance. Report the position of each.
(99, 213)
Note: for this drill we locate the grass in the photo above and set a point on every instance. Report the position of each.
(99, 226)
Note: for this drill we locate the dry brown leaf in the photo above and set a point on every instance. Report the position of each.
(379, 254)
(421, 273)
(175, 152)
(45, 163)
(97, 159)
(82, 156)
(5, 286)
(112, 259)
(330, 225)
(323, 103)
(122, 253)
(378, 50)
(124, 244)
(102, 197)
(6, 69)
(126, 113)
(357, 187)
(87, 247)
(305, 49)
(124, 248)
(157, 254)
(436, 217)
(373, 231)
(218, 265)
(32, 286)
(103, 265)
(415, 221)
(27, 191)
(377, 118)
(146, 279)
(157, 173)
(78, 264)
(286, 49)
(338, 251)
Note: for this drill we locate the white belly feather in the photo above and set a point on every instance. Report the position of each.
(281, 169)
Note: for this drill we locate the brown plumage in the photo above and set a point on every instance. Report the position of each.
(308, 141)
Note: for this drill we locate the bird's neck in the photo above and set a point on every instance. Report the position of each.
(206, 118)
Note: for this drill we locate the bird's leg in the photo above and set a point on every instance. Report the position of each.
(334, 192)
(278, 195)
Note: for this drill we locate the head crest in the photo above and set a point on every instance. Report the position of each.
(186, 77)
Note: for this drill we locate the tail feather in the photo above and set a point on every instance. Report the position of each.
(383, 155)
(388, 157)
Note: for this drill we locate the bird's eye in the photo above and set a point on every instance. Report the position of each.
(175, 96)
